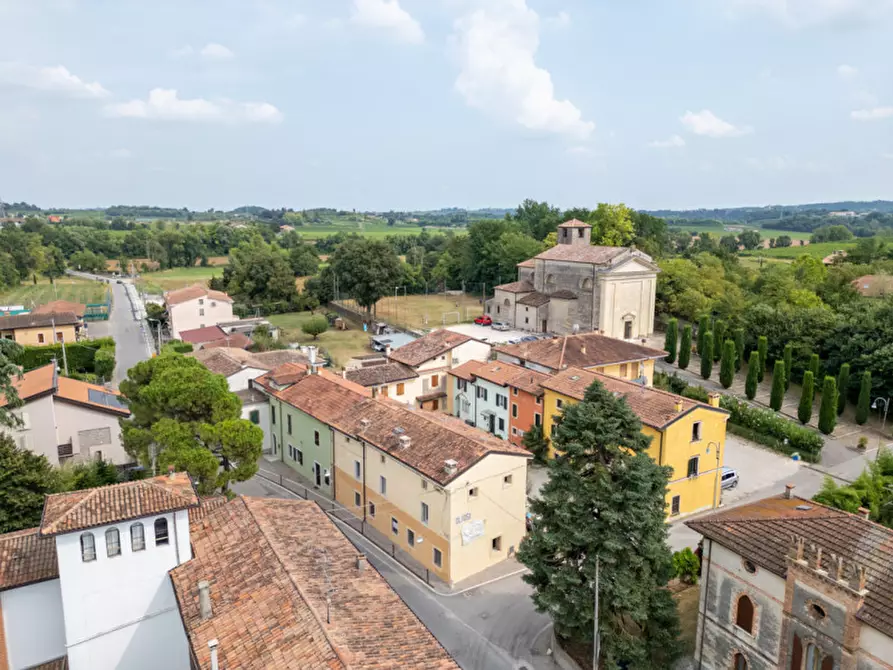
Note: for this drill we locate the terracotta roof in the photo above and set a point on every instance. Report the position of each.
(574, 223)
(281, 376)
(467, 370)
(433, 344)
(26, 558)
(563, 294)
(582, 253)
(286, 593)
(530, 381)
(250, 396)
(220, 361)
(231, 341)
(207, 504)
(434, 437)
(37, 382)
(58, 306)
(762, 532)
(34, 320)
(323, 397)
(654, 407)
(375, 375)
(872, 286)
(585, 350)
(498, 372)
(535, 299)
(192, 292)
(529, 263)
(516, 287)
(78, 510)
(91, 395)
(202, 335)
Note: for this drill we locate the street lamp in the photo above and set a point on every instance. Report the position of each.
(716, 477)
(875, 405)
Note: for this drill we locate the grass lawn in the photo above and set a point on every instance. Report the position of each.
(167, 280)
(687, 606)
(815, 250)
(754, 263)
(341, 345)
(419, 311)
(67, 288)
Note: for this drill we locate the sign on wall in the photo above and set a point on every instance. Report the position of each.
(472, 531)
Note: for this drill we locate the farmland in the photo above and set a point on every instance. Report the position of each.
(815, 250)
(30, 295)
(719, 229)
(168, 280)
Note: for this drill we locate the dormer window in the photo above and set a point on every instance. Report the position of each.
(88, 548)
(161, 536)
(112, 542)
(137, 537)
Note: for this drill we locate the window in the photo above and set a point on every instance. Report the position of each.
(674, 505)
(435, 380)
(744, 614)
(300, 456)
(750, 567)
(382, 458)
(514, 391)
(357, 499)
(537, 420)
(501, 423)
(161, 532)
(814, 660)
(693, 466)
(88, 548)
(327, 479)
(273, 415)
(382, 485)
(473, 492)
(137, 537)
(797, 653)
(553, 429)
(254, 416)
(627, 330)
(817, 611)
(461, 384)
(559, 403)
(579, 232)
(539, 400)
(696, 431)
(496, 543)
(356, 469)
(213, 304)
(624, 370)
(384, 391)
(316, 437)
(425, 513)
(435, 404)
(410, 537)
(395, 527)
(739, 662)
(201, 311)
(514, 431)
(507, 480)
(401, 388)
(112, 542)
(201, 301)
(372, 509)
(288, 424)
(514, 410)
(526, 319)
(40, 338)
(60, 337)
(438, 557)
(482, 393)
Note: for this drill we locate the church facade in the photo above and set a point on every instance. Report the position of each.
(578, 287)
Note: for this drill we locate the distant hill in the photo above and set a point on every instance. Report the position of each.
(774, 212)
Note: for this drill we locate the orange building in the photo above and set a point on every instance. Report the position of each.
(526, 403)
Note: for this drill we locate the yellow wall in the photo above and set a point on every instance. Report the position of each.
(673, 446)
(632, 371)
(29, 336)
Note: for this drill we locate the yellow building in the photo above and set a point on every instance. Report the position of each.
(687, 435)
(39, 329)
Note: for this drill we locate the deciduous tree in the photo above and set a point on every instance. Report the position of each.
(366, 270)
(315, 326)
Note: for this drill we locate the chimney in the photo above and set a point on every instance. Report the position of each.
(361, 562)
(865, 513)
(212, 645)
(170, 471)
(405, 441)
(387, 350)
(204, 600)
(788, 491)
(344, 374)
(713, 399)
(678, 406)
(450, 466)
(311, 354)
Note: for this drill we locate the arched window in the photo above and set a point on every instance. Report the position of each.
(112, 542)
(744, 614)
(507, 302)
(739, 662)
(586, 284)
(88, 548)
(797, 653)
(828, 663)
(550, 280)
(137, 537)
(161, 532)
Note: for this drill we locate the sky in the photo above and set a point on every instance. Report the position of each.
(422, 104)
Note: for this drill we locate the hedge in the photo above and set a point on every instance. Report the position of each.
(104, 363)
(766, 427)
(769, 441)
(81, 355)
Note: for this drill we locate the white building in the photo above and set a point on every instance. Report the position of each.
(196, 307)
(66, 419)
(790, 584)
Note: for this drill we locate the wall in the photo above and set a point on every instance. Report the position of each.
(695, 493)
(629, 371)
(185, 315)
(531, 318)
(529, 407)
(502, 306)
(31, 336)
(94, 607)
(263, 410)
(239, 380)
(412, 388)
(876, 650)
(485, 406)
(460, 402)
(302, 437)
(39, 431)
(628, 294)
(71, 419)
(33, 624)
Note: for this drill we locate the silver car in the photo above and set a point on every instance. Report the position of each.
(501, 325)
(729, 478)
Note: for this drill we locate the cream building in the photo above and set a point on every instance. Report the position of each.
(197, 307)
(575, 286)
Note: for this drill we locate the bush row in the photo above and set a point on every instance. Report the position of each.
(766, 427)
(81, 355)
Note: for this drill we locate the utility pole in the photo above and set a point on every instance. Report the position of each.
(876, 405)
(716, 476)
(595, 637)
(56, 339)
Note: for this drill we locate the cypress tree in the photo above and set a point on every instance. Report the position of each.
(685, 348)
(804, 411)
(828, 408)
(719, 338)
(788, 365)
(618, 495)
(814, 369)
(843, 384)
(739, 348)
(778, 386)
(707, 356)
(864, 402)
(727, 366)
(670, 340)
(750, 385)
(763, 349)
(703, 329)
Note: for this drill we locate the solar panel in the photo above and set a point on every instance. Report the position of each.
(103, 398)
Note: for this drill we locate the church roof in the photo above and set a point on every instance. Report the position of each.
(523, 286)
(574, 223)
(582, 253)
(535, 299)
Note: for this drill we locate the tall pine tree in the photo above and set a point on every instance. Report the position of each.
(727, 366)
(778, 385)
(763, 350)
(864, 402)
(707, 356)
(753, 375)
(605, 500)
(685, 347)
(828, 408)
(843, 385)
(788, 365)
(804, 411)
(739, 348)
(703, 329)
(670, 343)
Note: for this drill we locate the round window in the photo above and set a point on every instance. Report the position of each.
(817, 611)
(750, 567)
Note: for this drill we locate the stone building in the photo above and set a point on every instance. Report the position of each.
(575, 286)
(789, 584)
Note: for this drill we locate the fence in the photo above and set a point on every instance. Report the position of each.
(342, 515)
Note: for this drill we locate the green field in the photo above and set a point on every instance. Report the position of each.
(341, 345)
(720, 230)
(168, 280)
(31, 295)
(815, 250)
(374, 230)
(420, 311)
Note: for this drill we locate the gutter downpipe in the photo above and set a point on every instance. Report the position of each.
(704, 615)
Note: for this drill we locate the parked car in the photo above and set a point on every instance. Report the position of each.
(484, 320)
(729, 478)
(501, 325)
(529, 338)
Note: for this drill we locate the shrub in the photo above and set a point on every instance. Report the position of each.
(80, 355)
(804, 411)
(707, 356)
(843, 385)
(768, 428)
(685, 348)
(753, 376)
(828, 408)
(698, 393)
(727, 366)
(778, 386)
(104, 363)
(686, 566)
(315, 326)
(864, 401)
(670, 343)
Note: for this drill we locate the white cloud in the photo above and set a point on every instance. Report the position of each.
(214, 51)
(847, 71)
(55, 79)
(182, 52)
(708, 124)
(389, 16)
(807, 13)
(120, 154)
(872, 114)
(673, 142)
(165, 104)
(561, 20)
(495, 46)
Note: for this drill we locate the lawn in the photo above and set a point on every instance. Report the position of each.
(30, 295)
(815, 250)
(341, 345)
(419, 311)
(687, 606)
(168, 280)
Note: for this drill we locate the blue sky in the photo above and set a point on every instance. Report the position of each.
(418, 104)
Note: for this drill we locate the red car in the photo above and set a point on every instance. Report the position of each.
(484, 320)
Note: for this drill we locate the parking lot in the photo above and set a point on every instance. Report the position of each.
(488, 334)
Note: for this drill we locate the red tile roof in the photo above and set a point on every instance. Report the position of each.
(516, 287)
(286, 594)
(425, 348)
(535, 299)
(26, 558)
(585, 350)
(762, 532)
(35, 383)
(35, 320)
(192, 292)
(232, 340)
(530, 381)
(78, 510)
(202, 335)
(375, 375)
(574, 223)
(45, 380)
(582, 253)
(496, 372)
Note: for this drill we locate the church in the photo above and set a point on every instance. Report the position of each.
(578, 287)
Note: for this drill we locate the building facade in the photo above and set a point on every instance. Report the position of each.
(479, 395)
(196, 307)
(35, 329)
(526, 404)
(575, 286)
